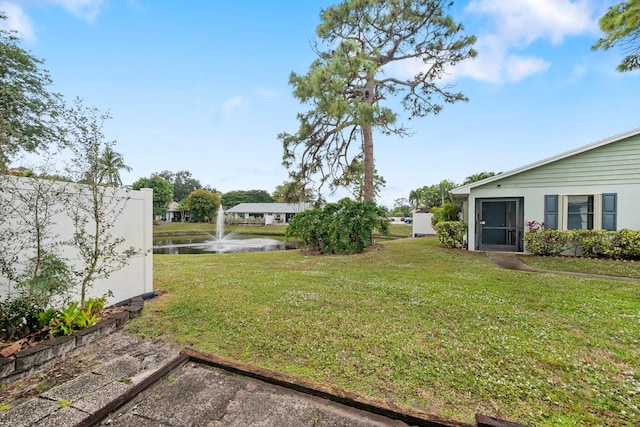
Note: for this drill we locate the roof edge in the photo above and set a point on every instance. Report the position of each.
(465, 189)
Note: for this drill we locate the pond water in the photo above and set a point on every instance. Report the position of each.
(201, 244)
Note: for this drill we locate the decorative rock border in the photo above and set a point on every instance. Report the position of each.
(26, 361)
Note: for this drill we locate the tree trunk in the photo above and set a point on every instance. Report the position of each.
(367, 147)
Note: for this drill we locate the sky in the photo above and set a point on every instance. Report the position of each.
(202, 85)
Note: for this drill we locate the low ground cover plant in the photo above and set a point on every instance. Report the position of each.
(439, 329)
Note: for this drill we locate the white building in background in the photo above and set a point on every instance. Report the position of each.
(273, 213)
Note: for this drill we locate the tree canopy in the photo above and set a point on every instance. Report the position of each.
(203, 205)
(162, 192)
(621, 25)
(27, 108)
(478, 177)
(292, 192)
(183, 183)
(236, 197)
(111, 163)
(432, 195)
(360, 45)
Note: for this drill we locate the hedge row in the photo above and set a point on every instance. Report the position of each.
(623, 244)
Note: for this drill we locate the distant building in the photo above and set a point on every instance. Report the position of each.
(175, 214)
(279, 213)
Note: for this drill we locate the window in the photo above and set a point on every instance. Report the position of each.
(579, 212)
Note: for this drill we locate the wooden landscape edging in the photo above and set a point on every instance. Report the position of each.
(131, 393)
(374, 405)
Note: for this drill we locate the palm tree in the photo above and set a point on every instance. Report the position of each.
(477, 177)
(111, 163)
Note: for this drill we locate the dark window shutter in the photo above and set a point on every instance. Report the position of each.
(551, 211)
(609, 208)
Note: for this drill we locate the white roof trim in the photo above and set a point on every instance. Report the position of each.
(465, 189)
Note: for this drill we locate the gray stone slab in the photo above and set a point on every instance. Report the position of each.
(28, 413)
(282, 408)
(195, 397)
(7, 367)
(98, 399)
(129, 420)
(107, 326)
(78, 387)
(88, 335)
(65, 417)
(121, 318)
(33, 356)
(61, 346)
(123, 367)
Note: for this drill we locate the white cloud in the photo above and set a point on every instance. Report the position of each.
(267, 94)
(17, 20)
(513, 25)
(521, 22)
(506, 28)
(83, 9)
(518, 68)
(232, 105)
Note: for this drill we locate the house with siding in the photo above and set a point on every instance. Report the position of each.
(175, 213)
(596, 186)
(271, 212)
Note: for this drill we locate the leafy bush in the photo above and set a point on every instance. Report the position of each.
(590, 243)
(447, 212)
(451, 233)
(18, 318)
(339, 228)
(623, 244)
(203, 205)
(545, 242)
(29, 310)
(52, 279)
(73, 317)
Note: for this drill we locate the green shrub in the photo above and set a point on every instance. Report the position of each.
(592, 243)
(545, 242)
(73, 317)
(623, 244)
(51, 279)
(18, 318)
(345, 227)
(451, 233)
(448, 212)
(29, 309)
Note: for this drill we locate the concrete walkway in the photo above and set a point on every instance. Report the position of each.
(511, 261)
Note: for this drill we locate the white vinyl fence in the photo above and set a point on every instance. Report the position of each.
(134, 224)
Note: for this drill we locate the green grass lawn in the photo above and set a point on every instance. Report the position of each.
(441, 330)
(585, 265)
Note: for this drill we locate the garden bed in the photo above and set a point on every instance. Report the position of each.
(43, 353)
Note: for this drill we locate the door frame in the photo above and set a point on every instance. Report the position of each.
(517, 229)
